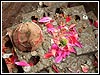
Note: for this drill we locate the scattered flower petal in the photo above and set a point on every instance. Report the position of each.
(65, 54)
(49, 25)
(55, 68)
(45, 19)
(22, 63)
(34, 21)
(58, 59)
(71, 49)
(95, 63)
(48, 55)
(96, 24)
(68, 18)
(53, 52)
(54, 46)
(71, 26)
(85, 68)
(78, 44)
(74, 41)
(91, 21)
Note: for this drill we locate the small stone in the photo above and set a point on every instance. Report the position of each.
(27, 68)
(14, 70)
(6, 55)
(63, 59)
(85, 17)
(52, 41)
(40, 3)
(54, 23)
(24, 57)
(60, 66)
(33, 53)
(21, 57)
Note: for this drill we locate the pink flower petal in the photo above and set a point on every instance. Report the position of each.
(65, 54)
(45, 19)
(58, 59)
(50, 30)
(22, 63)
(49, 25)
(90, 22)
(72, 31)
(68, 18)
(71, 26)
(48, 55)
(53, 52)
(75, 29)
(74, 41)
(95, 63)
(54, 46)
(78, 44)
(34, 21)
(96, 24)
(59, 52)
(85, 68)
(55, 68)
(71, 49)
(76, 36)
(68, 53)
(56, 40)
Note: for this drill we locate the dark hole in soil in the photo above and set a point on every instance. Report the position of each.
(8, 43)
(4, 67)
(59, 11)
(77, 18)
(44, 15)
(44, 6)
(34, 59)
(91, 20)
(48, 14)
(44, 70)
(34, 18)
(20, 69)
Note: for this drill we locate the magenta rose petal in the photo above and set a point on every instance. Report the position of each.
(22, 63)
(68, 18)
(48, 55)
(58, 59)
(45, 19)
(72, 26)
